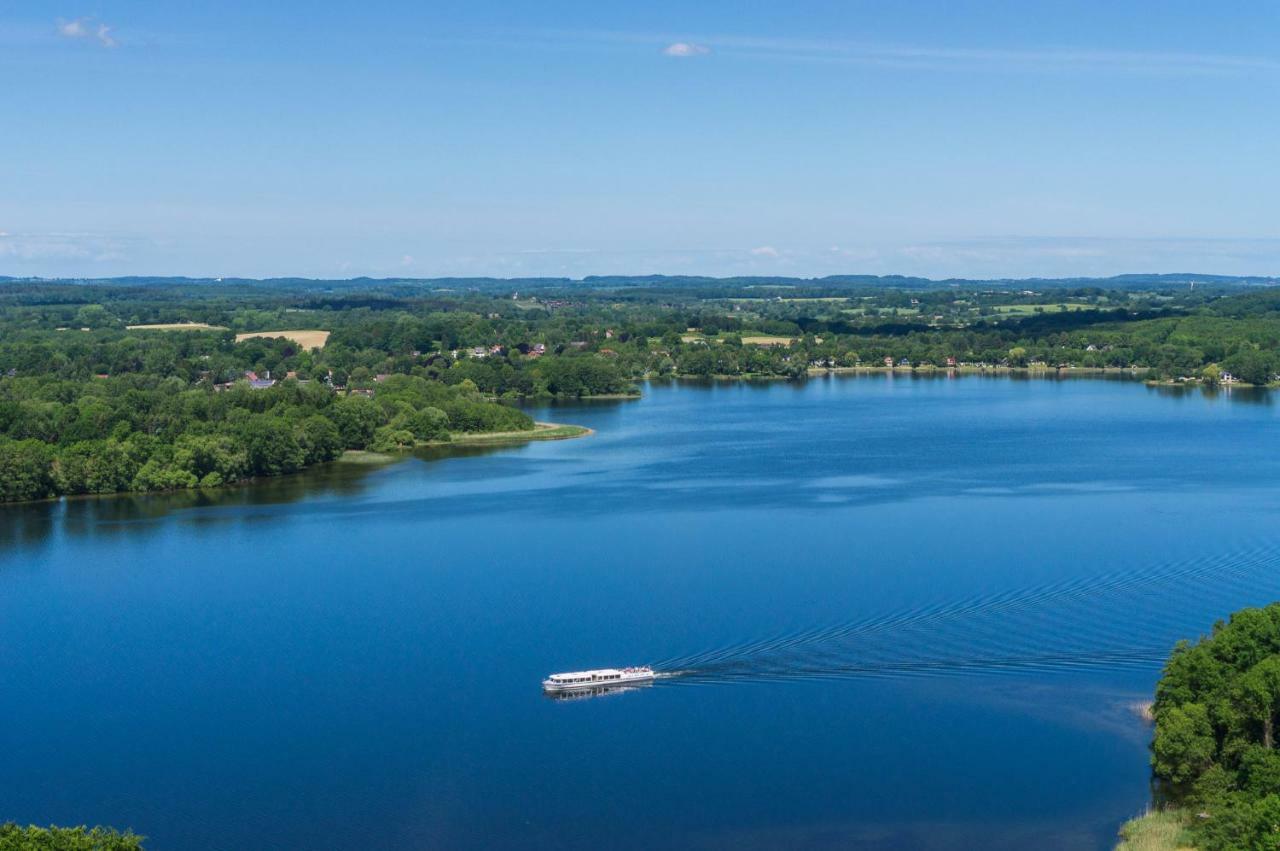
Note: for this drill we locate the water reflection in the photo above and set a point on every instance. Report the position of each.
(27, 525)
(595, 691)
(1226, 392)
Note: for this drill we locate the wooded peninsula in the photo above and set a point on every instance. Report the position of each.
(144, 384)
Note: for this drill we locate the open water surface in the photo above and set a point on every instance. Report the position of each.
(910, 613)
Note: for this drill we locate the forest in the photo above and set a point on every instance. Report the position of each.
(158, 384)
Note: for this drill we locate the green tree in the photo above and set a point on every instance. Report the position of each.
(1183, 746)
(357, 418)
(26, 470)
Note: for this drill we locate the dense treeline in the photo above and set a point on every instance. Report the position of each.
(1214, 751)
(597, 341)
(90, 405)
(146, 432)
(33, 838)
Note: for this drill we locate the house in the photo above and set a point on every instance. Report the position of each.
(888, 361)
(495, 349)
(381, 377)
(257, 383)
(537, 350)
(951, 361)
(904, 362)
(479, 352)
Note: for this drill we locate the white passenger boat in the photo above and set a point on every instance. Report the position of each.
(603, 678)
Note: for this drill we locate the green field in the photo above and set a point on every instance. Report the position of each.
(1030, 309)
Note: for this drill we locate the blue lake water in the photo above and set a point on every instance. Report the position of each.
(914, 613)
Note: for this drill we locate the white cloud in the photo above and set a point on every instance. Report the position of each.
(764, 251)
(86, 28)
(406, 260)
(73, 29)
(684, 49)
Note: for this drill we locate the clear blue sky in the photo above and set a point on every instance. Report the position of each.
(572, 138)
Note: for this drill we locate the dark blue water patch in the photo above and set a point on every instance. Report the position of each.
(919, 613)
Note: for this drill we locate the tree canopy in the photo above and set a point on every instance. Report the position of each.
(32, 838)
(1214, 749)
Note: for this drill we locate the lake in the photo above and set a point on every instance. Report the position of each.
(911, 613)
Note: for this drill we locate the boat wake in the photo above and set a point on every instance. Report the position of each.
(1122, 619)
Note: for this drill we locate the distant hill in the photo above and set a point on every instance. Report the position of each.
(679, 282)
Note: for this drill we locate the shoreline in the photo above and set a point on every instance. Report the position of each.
(540, 431)
(819, 371)
(1134, 373)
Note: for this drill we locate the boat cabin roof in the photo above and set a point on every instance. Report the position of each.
(580, 674)
(602, 674)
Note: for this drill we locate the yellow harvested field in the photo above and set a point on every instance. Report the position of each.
(177, 326)
(306, 339)
(767, 340)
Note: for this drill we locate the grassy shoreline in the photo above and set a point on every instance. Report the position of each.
(540, 431)
(1157, 830)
